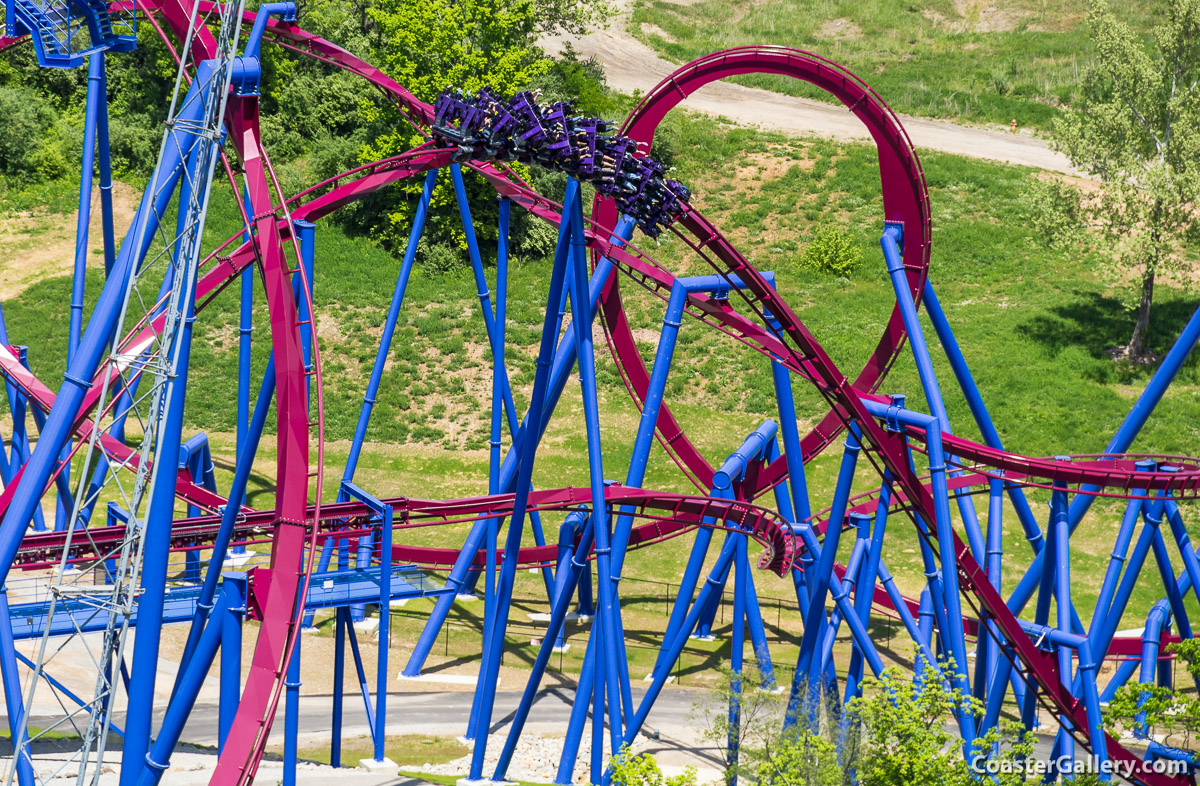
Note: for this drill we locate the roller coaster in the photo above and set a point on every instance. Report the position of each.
(110, 586)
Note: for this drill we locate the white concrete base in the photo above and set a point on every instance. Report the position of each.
(237, 560)
(466, 597)
(368, 625)
(445, 679)
(650, 678)
(384, 766)
(702, 638)
(541, 616)
(563, 648)
(311, 630)
(399, 603)
(483, 782)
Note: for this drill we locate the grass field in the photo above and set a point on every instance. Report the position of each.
(956, 59)
(1034, 323)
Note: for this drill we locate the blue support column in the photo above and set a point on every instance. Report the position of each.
(490, 666)
(564, 360)
(105, 167)
(156, 551)
(383, 514)
(150, 769)
(581, 321)
(18, 733)
(291, 717)
(806, 678)
(339, 686)
(231, 654)
(579, 712)
(489, 323)
(891, 243)
(389, 325)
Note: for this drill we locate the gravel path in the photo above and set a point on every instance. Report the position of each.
(631, 65)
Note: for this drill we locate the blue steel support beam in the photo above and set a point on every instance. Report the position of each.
(945, 538)
(581, 321)
(291, 716)
(18, 733)
(489, 324)
(814, 621)
(149, 768)
(564, 361)
(245, 344)
(490, 664)
(891, 244)
(231, 654)
(105, 168)
(156, 549)
(384, 514)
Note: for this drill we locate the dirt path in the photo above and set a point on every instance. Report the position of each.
(631, 65)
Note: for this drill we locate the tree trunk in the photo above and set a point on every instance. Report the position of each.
(1137, 344)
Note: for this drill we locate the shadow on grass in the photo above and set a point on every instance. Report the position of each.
(1096, 323)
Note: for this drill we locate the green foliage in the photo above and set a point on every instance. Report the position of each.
(1055, 211)
(831, 251)
(27, 153)
(899, 733)
(428, 46)
(1136, 129)
(643, 770)
(800, 757)
(1150, 709)
(907, 733)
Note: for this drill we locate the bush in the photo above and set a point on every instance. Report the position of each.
(642, 770)
(832, 251)
(25, 156)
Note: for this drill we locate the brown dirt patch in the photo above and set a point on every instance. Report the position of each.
(649, 28)
(36, 246)
(840, 30)
(978, 16)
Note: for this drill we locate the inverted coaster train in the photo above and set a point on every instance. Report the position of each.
(94, 582)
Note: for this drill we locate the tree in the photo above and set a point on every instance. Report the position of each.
(1136, 131)
(428, 45)
(1149, 709)
(907, 734)
(643, 770)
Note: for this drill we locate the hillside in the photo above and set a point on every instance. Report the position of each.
(977, 61)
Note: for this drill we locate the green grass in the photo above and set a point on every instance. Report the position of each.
(452, 780)
(407, 750)
(963, 60)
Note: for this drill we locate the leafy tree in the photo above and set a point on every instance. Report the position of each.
(1137, 131)
(907, 735)
(799, 757)
(1153, 709)
(643, 770)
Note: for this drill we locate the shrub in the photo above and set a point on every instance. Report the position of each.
(831, 251)
(24, 155)
(643, 770)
